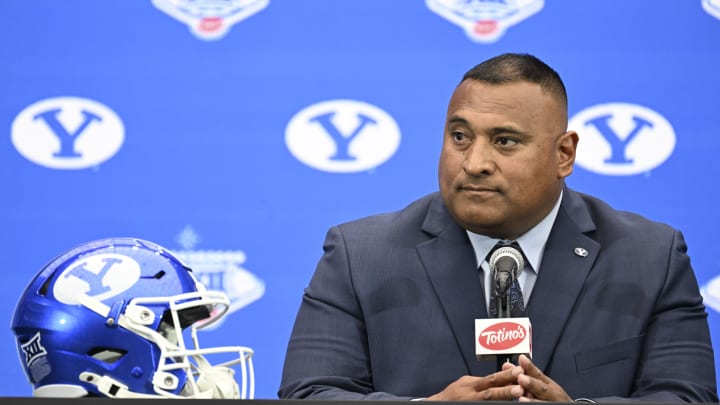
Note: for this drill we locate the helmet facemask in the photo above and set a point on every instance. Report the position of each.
(179, 364)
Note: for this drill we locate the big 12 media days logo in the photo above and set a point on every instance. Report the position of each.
(622, 139)
(67, 133)
(220, 270)
(210, 19)
(485, 21)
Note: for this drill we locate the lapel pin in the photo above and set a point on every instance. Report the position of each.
(581, 252)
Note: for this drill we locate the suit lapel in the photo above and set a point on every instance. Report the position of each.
(450, 263)
(567, 260)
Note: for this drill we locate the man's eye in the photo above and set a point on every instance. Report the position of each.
(458, 136)
(506, 141)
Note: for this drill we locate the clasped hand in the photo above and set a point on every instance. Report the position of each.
(524, 382)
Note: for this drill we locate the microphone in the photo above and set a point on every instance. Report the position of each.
(506, 337)
(506, 263)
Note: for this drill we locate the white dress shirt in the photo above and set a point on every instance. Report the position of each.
(532, 244)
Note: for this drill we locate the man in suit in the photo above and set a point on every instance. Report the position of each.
(615, 308)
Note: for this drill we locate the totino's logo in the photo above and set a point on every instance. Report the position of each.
(210, 19)
(502, 336)
(485, 20)
(342, 136)
(712, 7)
(622, 139)
(67, 133)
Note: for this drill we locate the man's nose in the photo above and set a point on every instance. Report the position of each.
(479, 159)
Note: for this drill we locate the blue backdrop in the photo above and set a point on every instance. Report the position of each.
(236, 132)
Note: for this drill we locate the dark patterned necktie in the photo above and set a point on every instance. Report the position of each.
(517, 304)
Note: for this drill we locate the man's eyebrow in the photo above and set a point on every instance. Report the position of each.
(458, 120)
(506, 130)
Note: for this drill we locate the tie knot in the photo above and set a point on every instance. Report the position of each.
(510, 243)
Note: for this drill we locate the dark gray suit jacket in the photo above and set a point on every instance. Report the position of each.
(389, 311)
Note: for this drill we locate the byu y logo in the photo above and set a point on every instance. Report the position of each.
(101, 277)
(342, 136)
(210, 19)
(712, 7)
(711, 293)
(622, 139)
(485, 20)
(67, 133)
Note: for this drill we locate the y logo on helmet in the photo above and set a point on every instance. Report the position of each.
(712, 7)
(101, 277)
(210, 19)
(622, 139)
(67, 133)
(342, 136)
(485, 20)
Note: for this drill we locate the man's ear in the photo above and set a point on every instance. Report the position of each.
(566, 148)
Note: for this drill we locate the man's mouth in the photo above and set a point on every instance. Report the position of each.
(478, 189)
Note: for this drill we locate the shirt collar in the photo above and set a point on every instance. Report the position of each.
(531, 242)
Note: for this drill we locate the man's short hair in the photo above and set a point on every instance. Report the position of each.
(519, 67)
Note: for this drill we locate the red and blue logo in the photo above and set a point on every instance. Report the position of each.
(210, 19)
(485, 20)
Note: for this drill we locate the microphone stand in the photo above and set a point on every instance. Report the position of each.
(503, 311)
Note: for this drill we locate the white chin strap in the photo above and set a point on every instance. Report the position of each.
(219, 382)
(214, 382)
